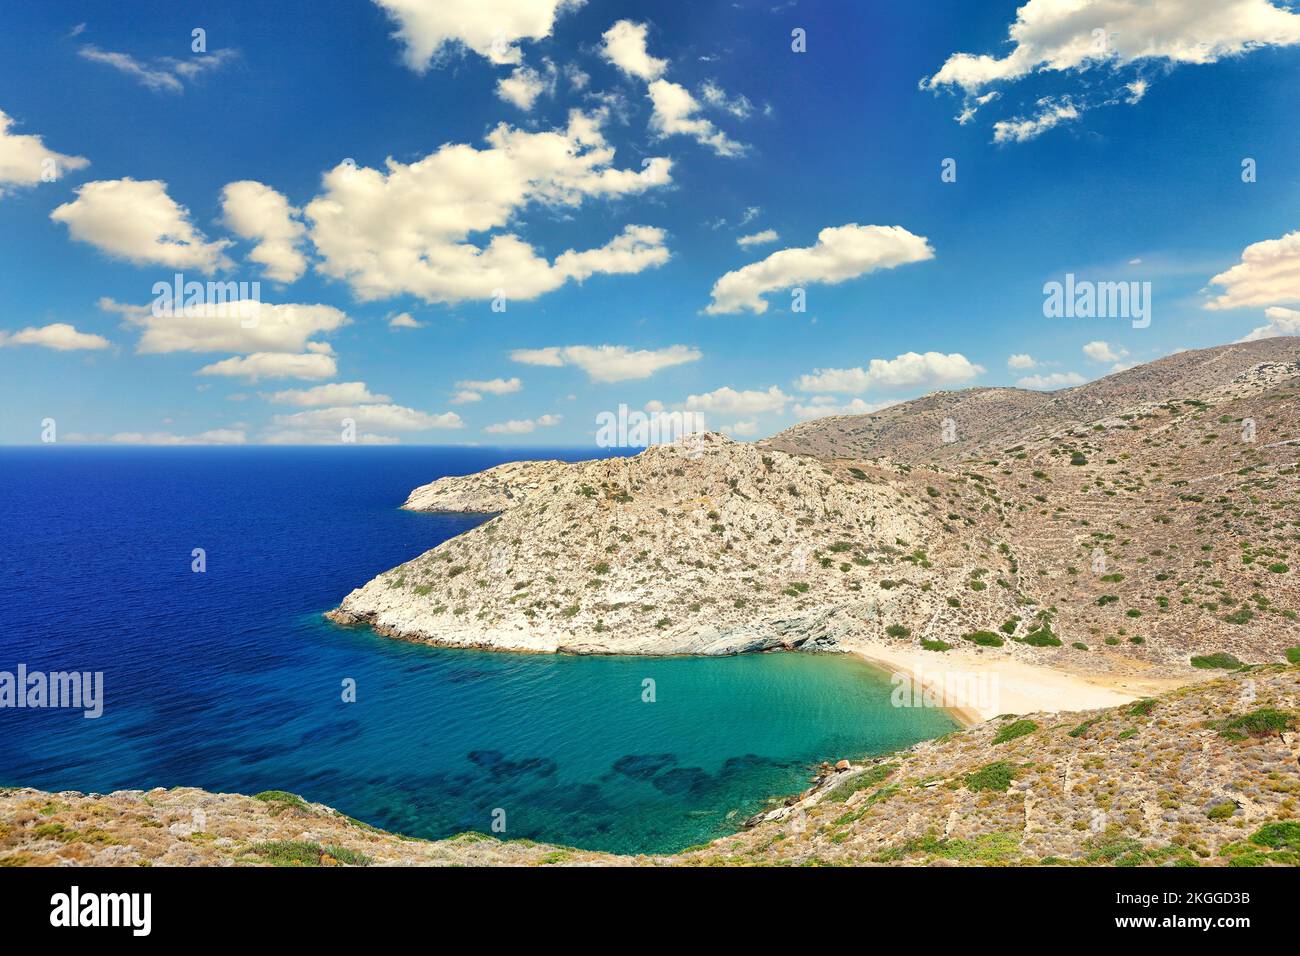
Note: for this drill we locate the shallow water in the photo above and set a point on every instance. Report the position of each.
(230, 680)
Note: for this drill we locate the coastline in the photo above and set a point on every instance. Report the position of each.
(1020, 687)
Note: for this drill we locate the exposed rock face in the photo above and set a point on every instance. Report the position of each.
(1104, 529)
(711, 548)
(1206, 775)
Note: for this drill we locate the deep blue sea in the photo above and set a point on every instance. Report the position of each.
(230, 679)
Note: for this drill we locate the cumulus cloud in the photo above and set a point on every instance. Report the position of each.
(624, 45)
(1021, 362)
(25, 160)
(336, 393)
(524, 426)
(406, 229)
(257, 212)
(309, 366)
(676, 113)
(1267, 275)
(137, 221)
(758, 238)
(1280, 322)
(493, 386)
(909, 370)
(1104, 352)
(609, 363)
(729, 401)
(217, 327)
(740, 429)
(325, 425)
(840, 253)
(164, 74)
(1121, 36)
(1052, 381)
(59, 336)
(824, 406)
(403, 320)
(524, 85)
(491, 28)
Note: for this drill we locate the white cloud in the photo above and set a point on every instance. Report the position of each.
(59, 336)
(137, 221)
(608, 363)
(164, 74)
(523, 426)
(325, 425)
(1053, 381)
(676, 113)
(25, 160)
(1104, 352)
(217, 436)
(1268, 274)
(524, 85)
(841, 253)
(335, 393)
(738, 106)
(820, 408)
(625, 46)
(491, 28)
(406, 229)
(740, 429)
(1280, 322)
(466, 396)
(309, 366)
(1074, 36)
(1050, 113)
(493, 386)
(255, 211)
(909, 370)
(403, 320)
(1021, 361)
(758, 238)
(728, 401)
(220, 327)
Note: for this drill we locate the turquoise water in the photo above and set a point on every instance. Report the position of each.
(231, 681)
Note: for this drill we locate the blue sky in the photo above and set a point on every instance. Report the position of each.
(632, 145)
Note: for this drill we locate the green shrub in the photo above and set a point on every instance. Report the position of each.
(897, 630)
(1264, 722)
(1078, 459)
(936, 645)
(1143, 708)
(281, 800)
(868, 778)
(1293, 655)
(1011, 731)
(1278, 567)
(984, 638)
(1043, 637)
(1083, 727)
(346, 856)
(1221, 811)
(1220, 661)
(994, 776)
(289, 852)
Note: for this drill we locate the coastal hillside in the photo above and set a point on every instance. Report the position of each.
(987, 420)
(1205, 775)
(1147, 542)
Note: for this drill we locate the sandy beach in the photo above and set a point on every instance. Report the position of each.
(977, 687)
